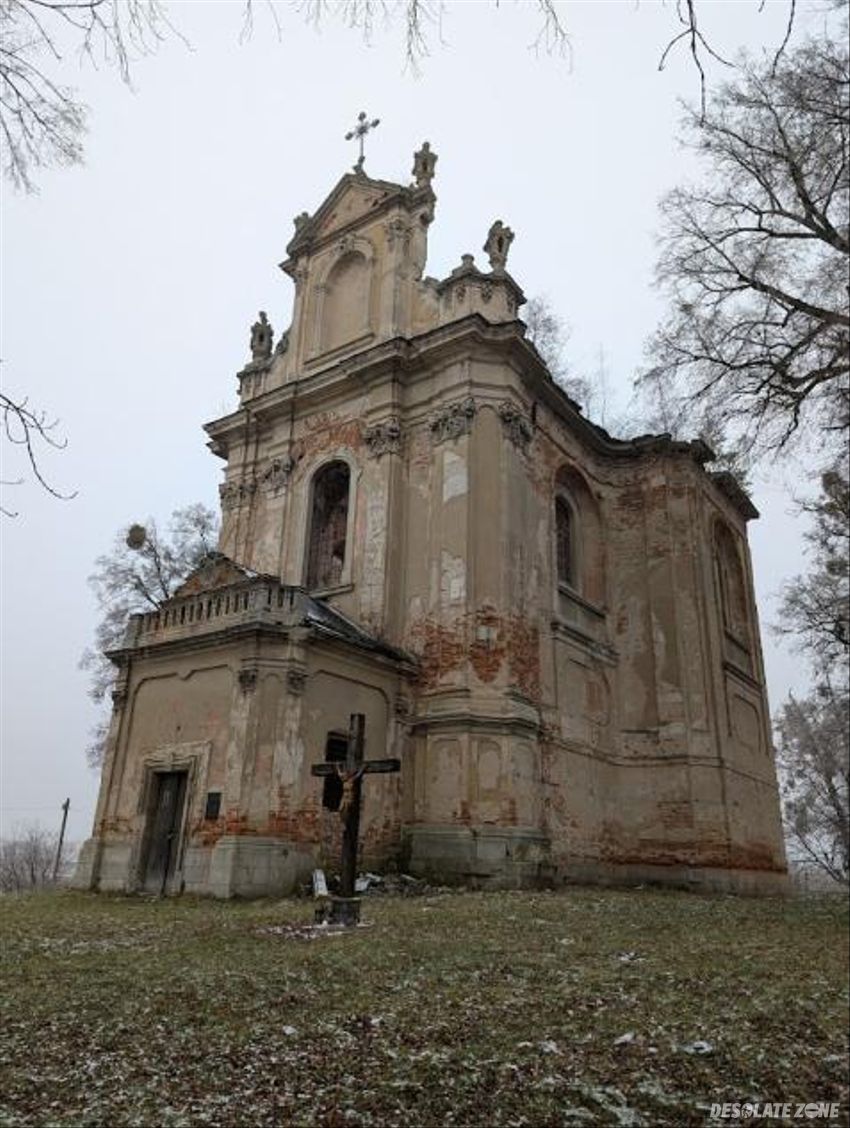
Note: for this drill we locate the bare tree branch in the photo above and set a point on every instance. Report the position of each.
(42, 122)
(28, 427)
(755, 262)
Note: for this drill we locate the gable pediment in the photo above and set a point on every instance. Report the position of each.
(355, 197)
(213, 572)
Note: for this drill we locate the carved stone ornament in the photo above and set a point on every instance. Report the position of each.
(119, 697)
(402, 707)
(516, 426)
(261, 338)
(383, 438)
(453, 420)
(499, 239)
(301, 220)
(277, 474)
(424, 162)
(233, 495)
(247, 680)
(296, 680)
(397, 228)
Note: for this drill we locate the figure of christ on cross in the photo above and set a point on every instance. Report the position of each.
(345, 909)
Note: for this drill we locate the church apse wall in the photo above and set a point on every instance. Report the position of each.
(552, 629)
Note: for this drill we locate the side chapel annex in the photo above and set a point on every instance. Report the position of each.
(552, 629)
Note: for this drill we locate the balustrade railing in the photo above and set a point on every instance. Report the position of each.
(212, 610)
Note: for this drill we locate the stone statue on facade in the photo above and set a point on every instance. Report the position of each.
(499, 239)
(423, 166)
(261, 338)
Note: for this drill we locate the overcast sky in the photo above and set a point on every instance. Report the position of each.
(129, 284)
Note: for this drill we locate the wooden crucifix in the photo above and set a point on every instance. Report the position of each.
(348, 800)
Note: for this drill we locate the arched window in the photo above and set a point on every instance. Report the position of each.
(733, 590)
(328, 526)
(579, 556)
(565, 542)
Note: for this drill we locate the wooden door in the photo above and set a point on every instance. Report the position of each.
(165, 820)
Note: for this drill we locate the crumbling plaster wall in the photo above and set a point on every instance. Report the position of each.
(452, 556)
(247, 721)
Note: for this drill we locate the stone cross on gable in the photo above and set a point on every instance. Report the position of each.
(345, 909)
(359, 132)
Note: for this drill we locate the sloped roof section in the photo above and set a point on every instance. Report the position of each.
(327, 620)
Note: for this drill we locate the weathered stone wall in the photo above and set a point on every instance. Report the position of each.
(607, 721)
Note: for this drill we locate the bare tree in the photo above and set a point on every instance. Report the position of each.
(815, 609)
(755, 260)
(140, 572)
(30, 429)
(43, 121)
(26, 859)
(812, 732)
(814, 760)
(549, 334)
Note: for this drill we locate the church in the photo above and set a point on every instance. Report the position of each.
(552, 630)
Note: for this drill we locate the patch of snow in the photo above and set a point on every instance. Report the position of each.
(698, 1047)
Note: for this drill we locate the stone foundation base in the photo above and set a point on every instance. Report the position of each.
(490, 856)
(243, 866)
(107, 866)
(235, 866)
(706, 879)
(84, 870)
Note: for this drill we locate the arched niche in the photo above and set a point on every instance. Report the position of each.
(343, 312)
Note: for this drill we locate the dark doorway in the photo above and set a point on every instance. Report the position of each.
(165, 818)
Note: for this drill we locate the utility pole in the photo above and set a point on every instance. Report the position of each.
(65, 807)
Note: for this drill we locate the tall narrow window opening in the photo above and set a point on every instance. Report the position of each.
(733, 587)
(564, 538)
(328, 526)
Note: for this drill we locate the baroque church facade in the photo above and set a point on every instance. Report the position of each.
(553, 630)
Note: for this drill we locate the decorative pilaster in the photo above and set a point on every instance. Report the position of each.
(453, 420)
(384, 438)
(248, 679)
(516, 426)
(235, 494)
(277, 474)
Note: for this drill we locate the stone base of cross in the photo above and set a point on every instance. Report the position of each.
(345, 909)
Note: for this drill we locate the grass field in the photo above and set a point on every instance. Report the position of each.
(580, 1007)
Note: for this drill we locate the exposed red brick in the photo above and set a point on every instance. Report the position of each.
(486, 641)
